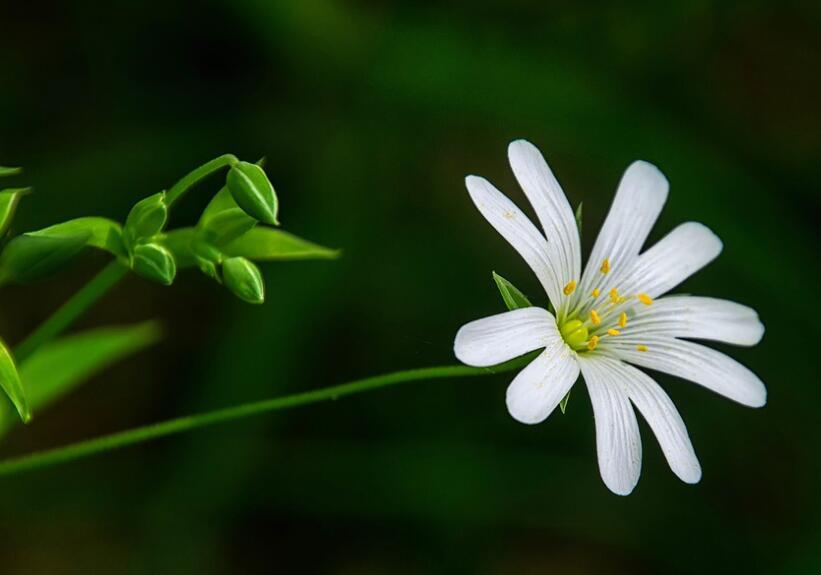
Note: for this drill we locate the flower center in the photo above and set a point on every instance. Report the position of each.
(597, 315)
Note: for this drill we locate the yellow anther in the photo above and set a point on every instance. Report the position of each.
(641, 348)
(614, 295)
(623, 320)
(570, 287)
(595, 292)
(605, 266)
(594, 317)
(612, 331)
(594, 341)
(645, 299)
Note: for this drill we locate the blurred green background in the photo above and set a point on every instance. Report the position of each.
(371, 113)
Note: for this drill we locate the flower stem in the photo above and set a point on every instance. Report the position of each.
(195, 176)
(114, 441)
(79, 303)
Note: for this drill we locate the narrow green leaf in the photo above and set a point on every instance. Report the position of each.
(4, 172)
(267, 244)
(60, 366)
(28, 258)
(225, 226)
(514, 299)
(101, 233)
(11, 384)
(9, 200)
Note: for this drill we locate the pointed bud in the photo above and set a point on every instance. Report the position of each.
(252, 191)
(147, 218)
(154, 262)
(243, 278)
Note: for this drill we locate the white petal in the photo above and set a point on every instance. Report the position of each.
(551, 206)
(677, 256)
(518, 230)
(694, 362)
(499, 338)
(636, 207)
(538, 388)
(698, 318)
(618, 443)
(662, 416)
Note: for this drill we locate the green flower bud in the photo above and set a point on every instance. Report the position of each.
(252, 191)
(147, 218)
(243, 279)
(154, 262)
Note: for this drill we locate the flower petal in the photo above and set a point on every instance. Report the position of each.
(551, 206)
(694, 362)
(538, 388)
(698, 318)
(677, 256)
(618, 443)
(636, 207)
(662, 416)
(518, 230)
(502, 337)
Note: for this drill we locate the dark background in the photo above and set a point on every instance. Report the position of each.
(370, 114)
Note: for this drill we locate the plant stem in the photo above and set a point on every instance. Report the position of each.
(180, 425)
(195, 176)
(79, 303)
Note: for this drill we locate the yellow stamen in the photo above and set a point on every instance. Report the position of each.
(623, 320)
(594, 317)
(641, 348)
(612, 331)
(570, 287)
(594, 341)
(605, 266)
(645, 299)
(614, 295)
(595, 292)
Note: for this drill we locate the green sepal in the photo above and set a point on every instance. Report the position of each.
(513, 298)
(146, 219)
(243, 279)
(12, 385)
(268, 244)
(9, 200)
(563, 402)
(5, 172)
(253, 192)
(154, 262)
(579, 224)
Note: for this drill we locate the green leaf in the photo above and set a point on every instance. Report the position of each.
(28, 258)
(9, 200)
(4, 172)
(225, 226)
(11, 384)
(267, 244)
(514, 299)
(60, 366)
(33, 255)
(253, 192)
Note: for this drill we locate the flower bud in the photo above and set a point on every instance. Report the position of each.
(154, 262)
(243, 279)
(252, 191)
(147, 218)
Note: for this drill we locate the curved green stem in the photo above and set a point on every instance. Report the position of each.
(68, 313)
(180, 425)
(195, 176)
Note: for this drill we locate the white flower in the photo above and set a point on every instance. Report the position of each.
(609, 317)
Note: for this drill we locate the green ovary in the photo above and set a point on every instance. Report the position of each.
(574, 333)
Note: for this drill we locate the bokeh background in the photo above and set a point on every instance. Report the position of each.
(370, 114)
